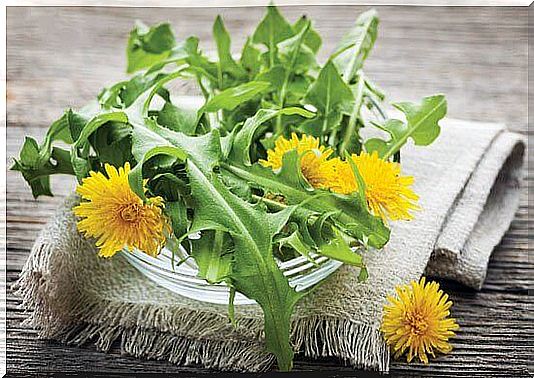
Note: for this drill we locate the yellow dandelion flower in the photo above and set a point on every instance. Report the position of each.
(418, 320)
(314, 157)
(388, 193)
(113, 214)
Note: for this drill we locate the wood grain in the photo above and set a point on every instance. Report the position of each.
(61, 57)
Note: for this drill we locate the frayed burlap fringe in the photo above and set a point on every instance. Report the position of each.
(138, 328)
(355, 344)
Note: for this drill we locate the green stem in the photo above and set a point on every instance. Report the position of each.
(220, 76)
(332, 138)
(326, 107)
(351, 66)
(287, 76)
(351, 127)
(374, 89)
(402, 140)
(202, 87)
(246, 175)
(273, 205)
(271, 49)
(157, 87)
(203, 72)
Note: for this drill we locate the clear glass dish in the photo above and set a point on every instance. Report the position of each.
(183, 279)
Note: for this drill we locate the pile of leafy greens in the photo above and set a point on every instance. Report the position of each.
(204, 162)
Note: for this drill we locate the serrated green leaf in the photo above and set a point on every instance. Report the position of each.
(332, 97)
(391, 126)
(272, 29)
(275, 76)
(254, 270)
(312, 38)
(81, 164)
(29, 153)
(184, 52)
(250, 58)
(323, 237)
(38, 176)
(40, 186)
(296, 58)
(135, 177)
(75, 122)
(294, 55)
(296, 242)
(236, 186)
(423, 119)
(315, 126)
(422, 126)
(338, 249)
(291, 172)
(316, 230)
(99, 120)
(297, 88)
(148, 46)
(125, 93)
(59, 130)
(356, 45)
(205, 70)
(177, 119)
(169, 186)
(112, 143)
(232, 97)
(37, 162)
(137, 86)
(222, 40)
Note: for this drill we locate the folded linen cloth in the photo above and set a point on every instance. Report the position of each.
(468, 182)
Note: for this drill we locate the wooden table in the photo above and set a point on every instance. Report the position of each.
(61, 57)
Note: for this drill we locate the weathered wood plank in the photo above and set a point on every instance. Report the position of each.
(477, 56)
(506, 344)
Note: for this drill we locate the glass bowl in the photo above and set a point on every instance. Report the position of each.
(183, 278)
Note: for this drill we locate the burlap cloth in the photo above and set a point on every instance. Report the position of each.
(468, 182)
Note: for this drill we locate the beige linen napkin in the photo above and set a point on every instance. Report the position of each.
(468, 182)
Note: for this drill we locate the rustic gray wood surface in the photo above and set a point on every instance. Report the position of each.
(61, 57)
